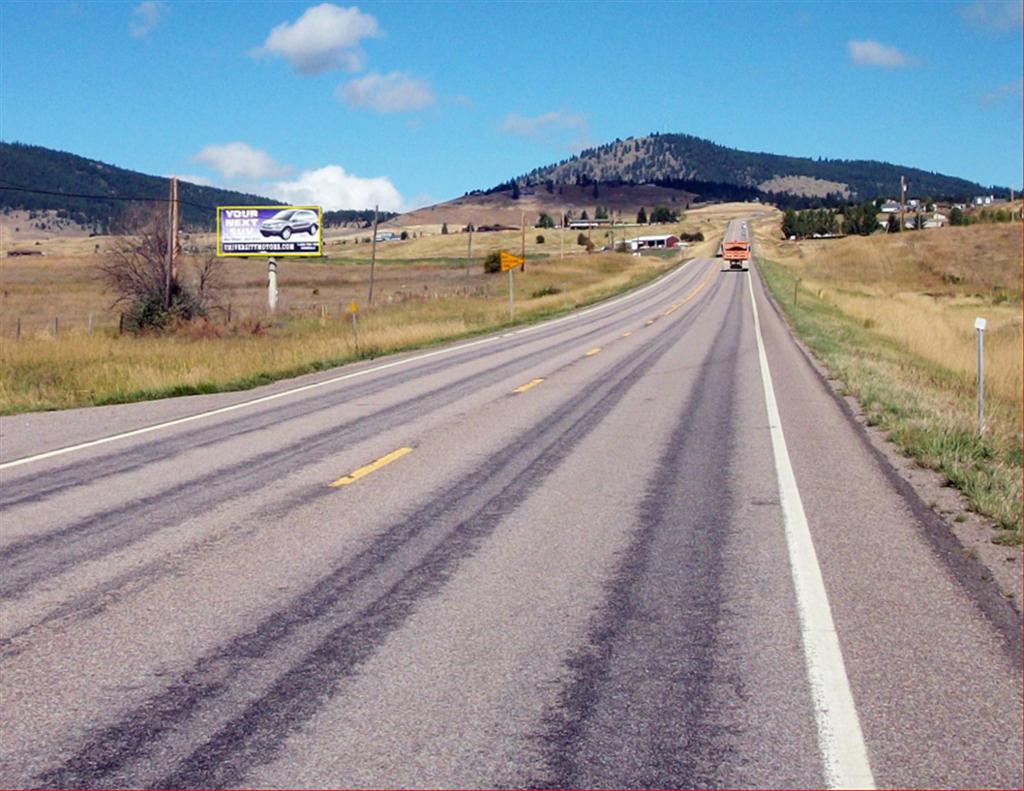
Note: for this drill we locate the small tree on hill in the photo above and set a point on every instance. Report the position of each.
(641, 216)
(444, 228)
(545, 221)
(893, 225)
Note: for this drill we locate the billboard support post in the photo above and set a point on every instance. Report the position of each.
(271, 284)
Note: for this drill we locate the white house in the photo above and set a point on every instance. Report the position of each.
(663, 241)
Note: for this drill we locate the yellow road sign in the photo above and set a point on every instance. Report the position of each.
(352, 307)
(509, 261)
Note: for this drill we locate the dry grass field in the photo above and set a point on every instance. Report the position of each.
(892, 316)
(420, 297)
(924, 290)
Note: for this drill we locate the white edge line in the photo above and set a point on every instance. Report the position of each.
(334, 380)
(840, 739)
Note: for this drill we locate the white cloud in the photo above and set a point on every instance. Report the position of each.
(872, 53)
(239, 160)
(549, 127)
(333, 188)
(145, 17)
(387, 93)
(325, 37)
(1009, 90)
(994, 16)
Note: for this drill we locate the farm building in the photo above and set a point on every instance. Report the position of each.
(662, 241)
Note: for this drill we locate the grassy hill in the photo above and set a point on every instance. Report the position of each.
(714, 171)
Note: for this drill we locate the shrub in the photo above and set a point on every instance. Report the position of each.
(540, 238)
(547, 291)
(581, 240)
(404, 235)
(492, 263)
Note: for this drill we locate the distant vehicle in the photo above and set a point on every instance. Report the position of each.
(736, 252)
(290, 221)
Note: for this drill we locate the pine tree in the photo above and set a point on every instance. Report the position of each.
(641, 216)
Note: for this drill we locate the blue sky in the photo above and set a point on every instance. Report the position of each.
(405, 103)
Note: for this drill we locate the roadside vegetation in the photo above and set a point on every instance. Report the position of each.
(422, 296)
(892, 317)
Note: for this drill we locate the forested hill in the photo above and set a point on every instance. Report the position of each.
(58, 177)
(667, 158)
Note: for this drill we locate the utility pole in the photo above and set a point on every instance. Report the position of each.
(171, 223)
(522, 239)
(561, 237)
(469, 256)
(373, 256)
(903, 201)
(176, 248)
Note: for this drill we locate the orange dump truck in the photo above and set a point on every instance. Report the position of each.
(736, 252)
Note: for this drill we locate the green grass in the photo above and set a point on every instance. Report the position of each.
(925, 409)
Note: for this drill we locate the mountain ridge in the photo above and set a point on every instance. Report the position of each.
(679, 159)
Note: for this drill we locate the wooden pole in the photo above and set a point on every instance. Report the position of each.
(175, 247)
(522, 240)
(561, 237)
(373, 256)
(469, 256)
(17, 330)
(903, 201)
(169, 266)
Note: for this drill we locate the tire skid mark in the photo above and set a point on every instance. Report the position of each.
(246, 705)
(28, 488)
(31, 560)
(686, 747)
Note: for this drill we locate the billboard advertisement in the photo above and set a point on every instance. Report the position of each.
(269, 230)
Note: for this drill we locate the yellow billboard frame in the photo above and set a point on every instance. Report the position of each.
(270, 253)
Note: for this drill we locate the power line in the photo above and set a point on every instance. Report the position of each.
(10, 187)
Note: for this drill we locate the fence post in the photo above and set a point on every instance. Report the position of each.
(796, 285)
(90, 322)
(56, 326)
(979, 327)
(120, 324)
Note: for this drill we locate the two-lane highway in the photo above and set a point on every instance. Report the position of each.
(594, 552)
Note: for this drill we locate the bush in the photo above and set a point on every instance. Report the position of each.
(492, 263)
(540, 238)
(404, 235)
(581, 240)
(547, 291)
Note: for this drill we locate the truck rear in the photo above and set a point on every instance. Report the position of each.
(737, 253)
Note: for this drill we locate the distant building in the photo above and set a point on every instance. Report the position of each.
(983, 200)
(662, 241)
(578, 224)
(387, 236)
(890, 206)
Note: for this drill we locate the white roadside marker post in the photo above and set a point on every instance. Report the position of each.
(271, 284)
(979, 327)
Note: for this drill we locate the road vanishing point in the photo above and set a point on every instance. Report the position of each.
(642, 545)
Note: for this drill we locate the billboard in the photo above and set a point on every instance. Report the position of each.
(269, 230)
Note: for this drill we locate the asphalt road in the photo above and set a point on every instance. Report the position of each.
(596, 581)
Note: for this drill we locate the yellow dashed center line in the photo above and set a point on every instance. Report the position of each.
(649, 323)
(371, 467)
(593, 351)
(676, 305)
(627, 334)
(523, 388)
